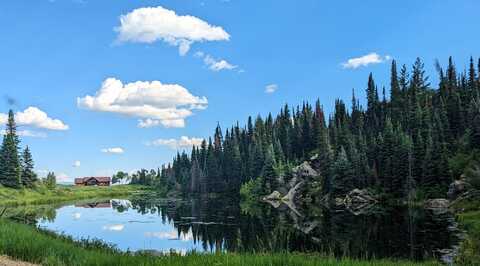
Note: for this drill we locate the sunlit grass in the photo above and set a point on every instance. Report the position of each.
(27, 243)
(42, 195)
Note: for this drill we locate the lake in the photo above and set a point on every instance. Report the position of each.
(209, 225)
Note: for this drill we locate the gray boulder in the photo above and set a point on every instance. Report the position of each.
(274, 196)
(359, 196)
(458, 187)
(437, 204)
(304, 170)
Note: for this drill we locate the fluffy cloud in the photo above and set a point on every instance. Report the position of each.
(183, 142)
(371, 58)
(170, 235)
(217, 65)
(27, 133)
(214, 64)
(151, 24)
(115, 150)
(76, 164)
(32, 116)
(271, 88)
(114, 227)
(155, 103)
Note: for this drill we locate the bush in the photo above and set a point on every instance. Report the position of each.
(251, 190)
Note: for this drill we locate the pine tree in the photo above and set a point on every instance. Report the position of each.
(10, 171)
(51, 180)
(342, 174)
(268, 172)
(29, 177)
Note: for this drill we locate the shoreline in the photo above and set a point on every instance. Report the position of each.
(13, 197)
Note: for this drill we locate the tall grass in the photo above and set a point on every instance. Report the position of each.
(27, 243)
(470, 249)
(42, 195)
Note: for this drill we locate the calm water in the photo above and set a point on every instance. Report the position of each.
(212, 225)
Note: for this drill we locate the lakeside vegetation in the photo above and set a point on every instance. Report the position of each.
(33, 245)
(44, 195)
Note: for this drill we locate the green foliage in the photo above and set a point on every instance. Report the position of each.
(29, 177)
(469, 253)
(119, 177)
(10, 167)
(50, 181)
(251, 191)
(472, 174)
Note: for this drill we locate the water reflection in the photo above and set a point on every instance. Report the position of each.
(224, 225)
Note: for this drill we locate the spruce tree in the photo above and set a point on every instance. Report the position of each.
(29, 177)
(11, 170)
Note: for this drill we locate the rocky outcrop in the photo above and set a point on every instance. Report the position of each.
(304, 170)
(293, 192)
(437, 204)
(457, 188)
(358, 201)
(274, 196)
(359, 196)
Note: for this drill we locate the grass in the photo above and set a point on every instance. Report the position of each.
(30, 244)
(470, 249)
(42, 195)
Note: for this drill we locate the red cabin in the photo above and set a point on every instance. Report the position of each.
(93, 181)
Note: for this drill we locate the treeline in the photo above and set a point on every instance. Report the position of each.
(16, 168)
(417, 140)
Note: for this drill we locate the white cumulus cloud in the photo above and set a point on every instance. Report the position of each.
(271, 88)
(371, 58)
(151, 24)
(183, 142)
(214, 64)
(27, 133)
(76, 164)
(34, 117)
(153, 102)
(116, 150)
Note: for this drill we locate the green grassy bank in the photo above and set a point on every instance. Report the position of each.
(469, 219)
(42, 195)
(27, 243)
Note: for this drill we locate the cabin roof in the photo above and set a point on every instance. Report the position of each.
(82, 180)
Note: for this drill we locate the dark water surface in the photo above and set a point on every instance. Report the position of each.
(224, 225)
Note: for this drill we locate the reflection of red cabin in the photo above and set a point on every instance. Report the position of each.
(106, 204)
(93, 181)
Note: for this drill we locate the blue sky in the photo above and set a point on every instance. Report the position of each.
(53, 53)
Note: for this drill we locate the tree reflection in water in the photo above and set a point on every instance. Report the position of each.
(222, 224)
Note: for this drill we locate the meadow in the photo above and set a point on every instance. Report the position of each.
(42, 195)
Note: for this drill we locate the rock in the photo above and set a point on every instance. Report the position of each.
(457, 188)
(339, 201)
(437, 204)
(274, 196)
(307, 227)
(304, 170)
(275, 203)
(359, 196)
(293, 192)
(359, 201)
